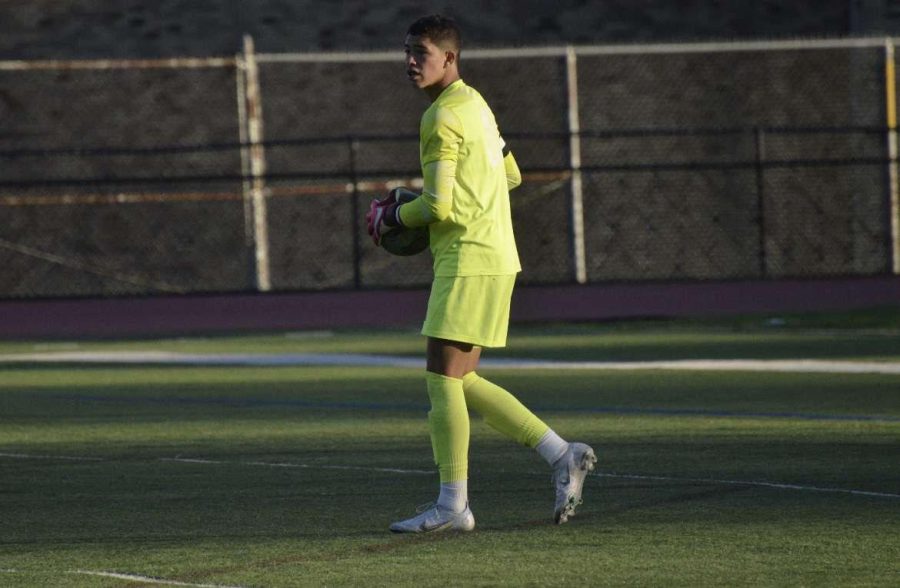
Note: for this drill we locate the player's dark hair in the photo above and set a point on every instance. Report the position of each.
(440, 30)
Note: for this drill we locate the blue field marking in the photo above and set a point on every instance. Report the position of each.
(415, 407)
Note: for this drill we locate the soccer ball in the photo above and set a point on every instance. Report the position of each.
(405, 241)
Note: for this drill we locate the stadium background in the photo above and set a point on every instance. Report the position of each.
(709, 166)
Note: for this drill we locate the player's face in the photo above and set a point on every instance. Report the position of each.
(425, 62)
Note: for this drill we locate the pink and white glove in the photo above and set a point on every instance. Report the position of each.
(382, 217)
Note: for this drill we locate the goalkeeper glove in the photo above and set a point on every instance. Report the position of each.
(383, 216)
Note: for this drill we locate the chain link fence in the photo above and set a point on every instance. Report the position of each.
(678, 162)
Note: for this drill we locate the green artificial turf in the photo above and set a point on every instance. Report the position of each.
(289, 476)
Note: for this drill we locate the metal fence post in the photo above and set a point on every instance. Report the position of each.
(256, 156)
(353, 146)
(577, 195)
(759, 148)
(246, 185)
(890, 86)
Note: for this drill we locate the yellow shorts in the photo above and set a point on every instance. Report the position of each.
(470, 309)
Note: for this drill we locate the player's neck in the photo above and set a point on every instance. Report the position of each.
(435, 90)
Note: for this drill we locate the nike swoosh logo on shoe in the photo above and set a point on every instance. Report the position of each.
(426, 528)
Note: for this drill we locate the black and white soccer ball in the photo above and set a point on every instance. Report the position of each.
(405, 241)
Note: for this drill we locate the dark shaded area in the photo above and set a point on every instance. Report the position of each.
(135, 28)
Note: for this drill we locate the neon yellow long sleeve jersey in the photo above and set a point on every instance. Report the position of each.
(467, 178)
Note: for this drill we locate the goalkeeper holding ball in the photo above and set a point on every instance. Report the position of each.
(468, 172)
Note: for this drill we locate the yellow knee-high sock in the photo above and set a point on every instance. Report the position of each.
(502, 411)
(448, 421)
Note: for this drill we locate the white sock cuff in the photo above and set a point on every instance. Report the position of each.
(454, 496)
(552, 447)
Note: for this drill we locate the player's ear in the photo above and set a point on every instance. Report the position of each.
(449, 58)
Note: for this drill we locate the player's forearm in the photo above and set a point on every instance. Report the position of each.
(513, 175)
(436, 201)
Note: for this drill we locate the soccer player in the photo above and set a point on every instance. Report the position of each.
(468, 172)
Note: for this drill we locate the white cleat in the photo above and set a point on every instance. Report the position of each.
(433, 518)
(568, 479)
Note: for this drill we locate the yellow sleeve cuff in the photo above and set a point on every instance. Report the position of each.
(436, 201)
(513, 175)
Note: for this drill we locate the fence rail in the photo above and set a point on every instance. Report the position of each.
(734, 161)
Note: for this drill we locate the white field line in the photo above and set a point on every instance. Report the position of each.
(752, 365)
(774, 485)
(761, 484)
(119, 576)
(60, 457)
(757, 483)
(145, 579)
(296, 465)
(354, 359)
(222, 462)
